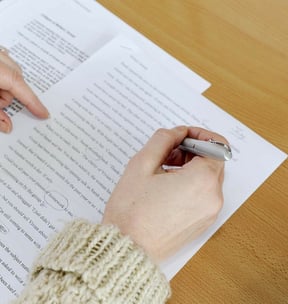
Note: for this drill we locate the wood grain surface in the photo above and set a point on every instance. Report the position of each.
(241, 47)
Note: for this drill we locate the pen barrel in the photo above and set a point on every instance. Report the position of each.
(206, 149)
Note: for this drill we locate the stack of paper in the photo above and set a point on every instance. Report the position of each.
(108, 89)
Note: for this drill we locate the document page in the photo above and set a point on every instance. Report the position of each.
(5, 3)
(102, 113)
(49, 44)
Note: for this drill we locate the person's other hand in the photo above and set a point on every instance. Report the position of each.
(163, 210)
(12, 85)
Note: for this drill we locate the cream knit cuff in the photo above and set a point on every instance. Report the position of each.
(111, 266)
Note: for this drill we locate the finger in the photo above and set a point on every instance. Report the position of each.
(5, 122)
(203, 134)
(207, 169)
(6, 59)
(5, 98)
(208, 166)
(159, 146)
(176, 158)
(11, 80)
(179, 157)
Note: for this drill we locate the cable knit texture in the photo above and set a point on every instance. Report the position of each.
(88, 263)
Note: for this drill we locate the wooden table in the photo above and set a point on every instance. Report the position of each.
(241, 47)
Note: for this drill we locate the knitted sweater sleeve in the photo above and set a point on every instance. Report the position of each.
(87, 263)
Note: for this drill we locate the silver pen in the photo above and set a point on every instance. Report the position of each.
(210, 148)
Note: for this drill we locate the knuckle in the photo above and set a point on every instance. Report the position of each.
(135, 162)
(213, 187)
(164, 133)
(216, 205)
(212, 172)
(16, 77)
(161, 130)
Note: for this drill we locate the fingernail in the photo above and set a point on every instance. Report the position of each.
(46, 112)
(43, 113)
(4, 127)
(38, 108)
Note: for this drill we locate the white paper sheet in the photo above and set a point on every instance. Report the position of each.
(66, 167)
(5, 3)
(90, 26)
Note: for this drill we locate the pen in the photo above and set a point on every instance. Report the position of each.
(211, 148)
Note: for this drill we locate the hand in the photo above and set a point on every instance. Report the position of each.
(12, 85)
(163, 210)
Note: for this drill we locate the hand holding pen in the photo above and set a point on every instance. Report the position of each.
(198, 143)
(161, 210)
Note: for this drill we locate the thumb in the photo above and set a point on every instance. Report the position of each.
(158, 147)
